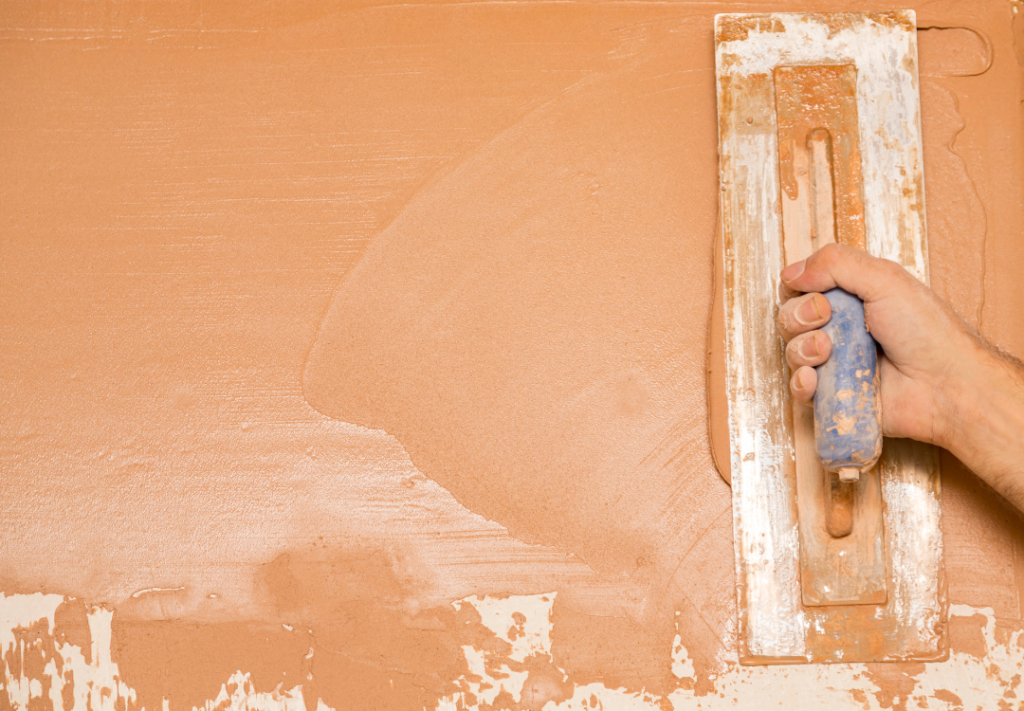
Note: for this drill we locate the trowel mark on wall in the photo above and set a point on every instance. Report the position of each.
(513, 399)
(159, 302)
(528, 354)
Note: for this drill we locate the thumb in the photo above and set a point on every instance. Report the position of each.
(852, 270)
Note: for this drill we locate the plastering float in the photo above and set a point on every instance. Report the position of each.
(838, 558)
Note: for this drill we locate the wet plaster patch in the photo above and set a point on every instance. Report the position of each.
(48, 665)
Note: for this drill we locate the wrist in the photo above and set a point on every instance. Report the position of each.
(981, 416)
(955, 394)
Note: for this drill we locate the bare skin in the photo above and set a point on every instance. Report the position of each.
(941, 383)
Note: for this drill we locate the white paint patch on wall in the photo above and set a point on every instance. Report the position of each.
(591, 697)
(991, 682)
(682, 665)
(978, 683)
(524, 623)
(243, 697)
(485, 681)
(24, 611)
(96, 685)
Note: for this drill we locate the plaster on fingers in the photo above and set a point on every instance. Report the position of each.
(802, 314)
(810, 349)
(803, 384)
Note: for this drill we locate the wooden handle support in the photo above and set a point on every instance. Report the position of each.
(839, 501)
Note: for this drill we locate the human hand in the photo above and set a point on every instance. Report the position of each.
(927, 348)
(940, 382)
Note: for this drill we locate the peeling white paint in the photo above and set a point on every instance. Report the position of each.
(486, 681)
(243, 697)
(990, 682)
(97, 686)
(590, 697)
(97, 683)
(524, 621)
(24, 611)
(682, 665)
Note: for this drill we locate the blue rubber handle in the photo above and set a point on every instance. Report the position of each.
(847, 427)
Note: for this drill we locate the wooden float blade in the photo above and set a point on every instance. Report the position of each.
(815, 585)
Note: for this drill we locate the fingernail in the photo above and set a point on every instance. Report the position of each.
(795, 384)
(801, 376)
(793, 271)
(809, 312)
(809, 348)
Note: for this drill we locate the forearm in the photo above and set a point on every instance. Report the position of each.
(986, 430)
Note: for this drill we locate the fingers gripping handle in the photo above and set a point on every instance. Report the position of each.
(847, 422)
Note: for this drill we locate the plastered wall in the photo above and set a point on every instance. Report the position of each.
(353, 356)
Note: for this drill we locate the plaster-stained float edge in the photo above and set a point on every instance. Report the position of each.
(775, 627)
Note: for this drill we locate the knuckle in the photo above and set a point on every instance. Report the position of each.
(893, 270)
(830, 253)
